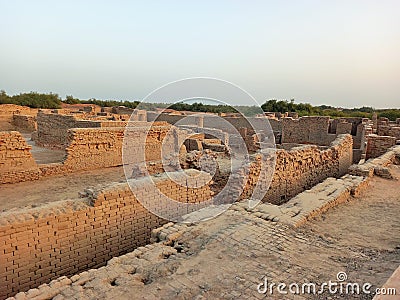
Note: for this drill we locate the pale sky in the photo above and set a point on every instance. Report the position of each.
(341, 53)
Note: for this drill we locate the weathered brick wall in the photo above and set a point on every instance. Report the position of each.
(52, 129)
(8, 110)
(301, 168)
(227, 124)
(88, 148)
(93, 148)
(306, 130)
(25, 122)
(16, 161)
(64, 238)
(378, 145)
(11, 109)
(389, 131)
(322, 131)
(343, 128)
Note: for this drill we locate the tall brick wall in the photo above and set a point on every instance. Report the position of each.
(307, 130)
(378, 145)
(64, 238)
(16, 161)
(227, 124)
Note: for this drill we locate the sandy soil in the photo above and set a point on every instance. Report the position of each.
(44, 155)
(55, 188)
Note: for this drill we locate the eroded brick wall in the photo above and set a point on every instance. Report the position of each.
(306, 130)
(378, 145)
(16, 161)
(88, 149)
(102, 147)
(25, 122)
(52, 129)
(301, 168)
(64, 238)
(387, 130)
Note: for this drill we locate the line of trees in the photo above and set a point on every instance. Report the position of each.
(52, 100)
(32, 99)
(306, 109)
(105, 103)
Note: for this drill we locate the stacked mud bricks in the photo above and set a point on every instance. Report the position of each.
(16, 161)
(388, 128)
(64, 238)
(299, 169)
(88, 148)
(378, 145)
(52, 128)
(25, 122)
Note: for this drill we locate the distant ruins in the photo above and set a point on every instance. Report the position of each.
(41, 244)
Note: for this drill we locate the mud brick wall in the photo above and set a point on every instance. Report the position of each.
(89, 148)
(65, 238)
(11, 109)
(25, 122)
(16, 161)
(52, 129)
(92, 148)
(344, 127)
(353, 121)
(227, 124)
(389, 131)
(301, 168)
(307, 130)
(113, 123)
(378, 145)
(8, 110)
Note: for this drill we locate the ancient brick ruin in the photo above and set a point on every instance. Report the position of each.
(318, 163)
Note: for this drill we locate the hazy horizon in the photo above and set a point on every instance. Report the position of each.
(342, 53)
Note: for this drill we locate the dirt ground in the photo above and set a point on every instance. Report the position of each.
(55, 188)
(43, 155)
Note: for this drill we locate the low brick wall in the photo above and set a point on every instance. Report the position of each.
(52, 128)
(377, 165)
(16, 161)
(102, 147)
(389, 131)
(64, 238)
(301, 168)
(378, 145)
(88, 148)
